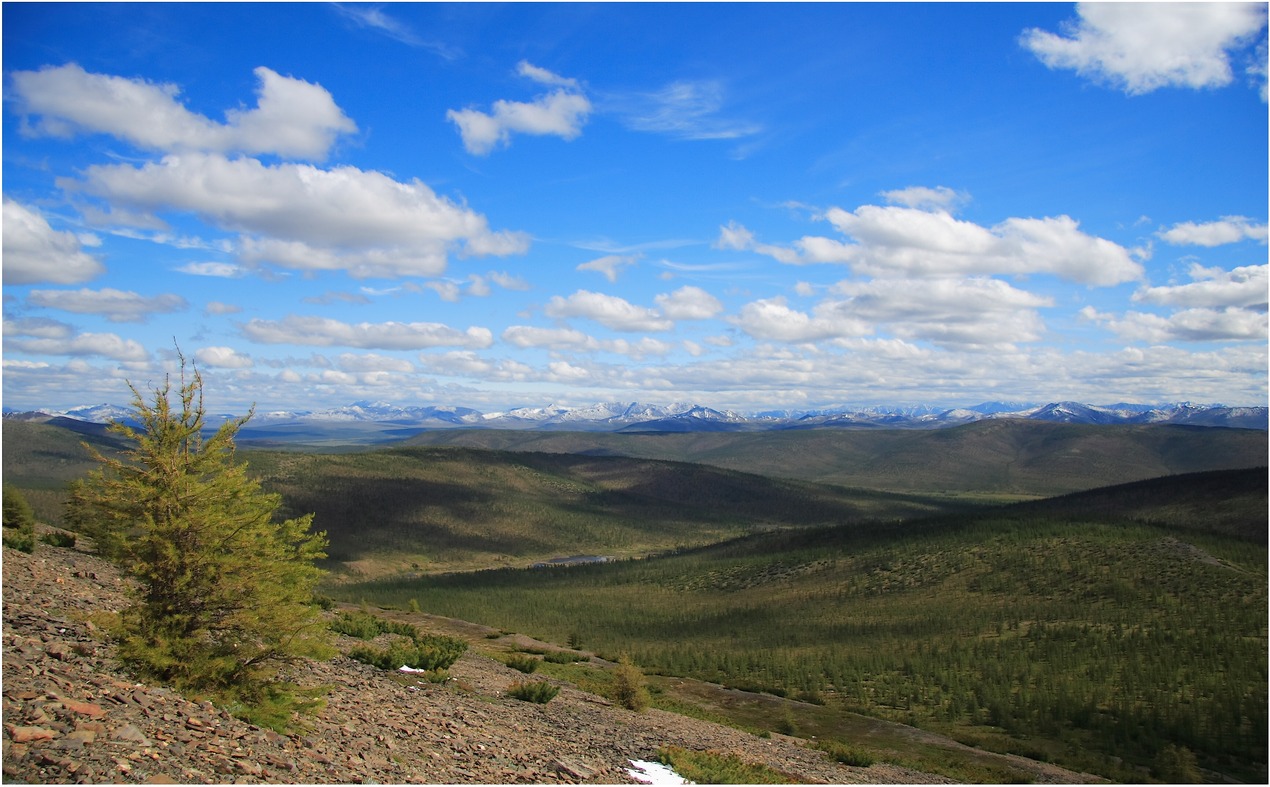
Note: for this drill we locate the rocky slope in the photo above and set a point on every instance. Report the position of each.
(73, 715)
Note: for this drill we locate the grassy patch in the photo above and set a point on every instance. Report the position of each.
(710, 767)
(846, 754)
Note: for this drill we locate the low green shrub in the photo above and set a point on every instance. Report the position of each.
(525, 664)
(564, 656)
(364, 625)
(539, 691)
(276, 706)
(59, 538)
(786, 725)
(428, 652)
(710, 767)
(361, 625)
(845, 754)
(410, 647)
(20, 539)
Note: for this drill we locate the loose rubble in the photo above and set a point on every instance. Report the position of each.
(72, 714)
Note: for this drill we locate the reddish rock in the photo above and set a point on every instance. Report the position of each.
(27, 734)
(84, 708)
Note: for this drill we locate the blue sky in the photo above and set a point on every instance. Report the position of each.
(746, 206)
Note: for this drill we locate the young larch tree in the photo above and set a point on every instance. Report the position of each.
(225, 593)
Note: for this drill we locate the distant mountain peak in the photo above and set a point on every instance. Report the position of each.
(687, 416)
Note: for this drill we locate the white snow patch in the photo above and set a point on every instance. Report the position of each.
(655, 773)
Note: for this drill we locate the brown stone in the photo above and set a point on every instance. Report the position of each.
(130, 733)
(27, 734)
(575, 769)
(83, 736)
(84, 708)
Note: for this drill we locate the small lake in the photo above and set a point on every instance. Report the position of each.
(575, 560)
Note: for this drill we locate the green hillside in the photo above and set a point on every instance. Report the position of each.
(1133, 651)
(42, 458)
(999, 457)
(444, 508)
(1230, 502)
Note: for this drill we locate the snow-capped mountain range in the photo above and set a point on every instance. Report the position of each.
(688, 417)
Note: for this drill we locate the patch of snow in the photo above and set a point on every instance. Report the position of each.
(646, 772)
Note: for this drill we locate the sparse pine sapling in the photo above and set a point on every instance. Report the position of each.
(225, 594)
(19, 521)
(629, 688)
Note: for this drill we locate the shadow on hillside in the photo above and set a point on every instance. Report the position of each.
(364, 516)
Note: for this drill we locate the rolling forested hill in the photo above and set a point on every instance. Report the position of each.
(1080, 630)
(451, 508)
(1025, 458)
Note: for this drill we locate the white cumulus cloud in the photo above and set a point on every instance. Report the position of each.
(688, 303)
(899, 241)
(570, 340)
(219, 270)
(223, 358)
(35, 253)
(115, 305)
(306, 218)
(291, 118)
(1229, 229)
(561, 112)
(1187, 325)
(773, 319)
(608, 310)
(106, 345)
(1141, 47)
(327, 332)
(939, 197)
(973, 313)
(1245, 286)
